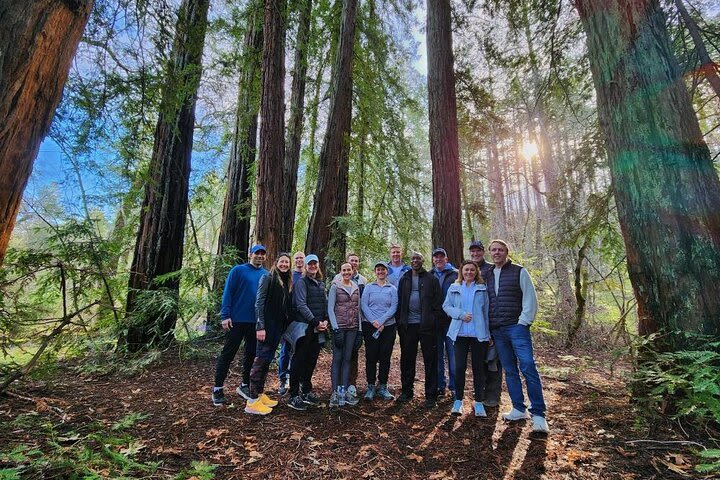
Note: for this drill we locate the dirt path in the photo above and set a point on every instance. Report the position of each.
(589, 415)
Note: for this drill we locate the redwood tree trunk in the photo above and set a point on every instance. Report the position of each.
(295, 126)
(708, 68)
(38, 41)
(159, 244)
(269, 216)
(666, 188)
(235, 225)
(447, 217)
(331, 193)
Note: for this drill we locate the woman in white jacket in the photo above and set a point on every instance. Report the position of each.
(467, 305)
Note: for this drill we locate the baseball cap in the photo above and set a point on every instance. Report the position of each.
(256, 248)
(476, 244)
(380, 263)
(438, 251)
(312, 258)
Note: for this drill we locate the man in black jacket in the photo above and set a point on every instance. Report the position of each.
(418, 317)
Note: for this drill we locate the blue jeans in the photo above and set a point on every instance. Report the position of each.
(284, 361)
(514, 346)
(446, 348)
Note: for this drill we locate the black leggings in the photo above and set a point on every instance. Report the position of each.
(342, 359)
(478, 351)
(378, 350)
(302, 365)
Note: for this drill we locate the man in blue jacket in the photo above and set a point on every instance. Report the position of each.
(446, 275)
(237, 315)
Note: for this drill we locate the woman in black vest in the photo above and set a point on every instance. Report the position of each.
(272, 311)
(311, 305)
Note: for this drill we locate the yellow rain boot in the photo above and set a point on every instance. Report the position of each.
(257, 407)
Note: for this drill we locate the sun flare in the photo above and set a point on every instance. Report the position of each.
(529, 150)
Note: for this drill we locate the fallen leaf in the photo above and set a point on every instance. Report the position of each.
(439, 475)
(296, 436)
(466, 441)
(384, 435)
(415, 457)
(133, 448)
(215, 432)
(182, 421)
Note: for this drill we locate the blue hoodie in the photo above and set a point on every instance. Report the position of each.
(241, 286)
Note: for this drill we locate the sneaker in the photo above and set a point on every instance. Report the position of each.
(351, 397)
(341, 396)
(310, 398)
(383, 393)
(297, 403)
(514, 415)
(491, 403)
(370, 394)
(218, 398)
(267, 401)
(284, 388)
(540, 425)
(457, 408)
(334, 400)
(244, 391)
(257, 407)
(479, 409)
(404, 397)
(430, 402)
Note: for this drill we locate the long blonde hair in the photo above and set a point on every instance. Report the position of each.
(478, 277)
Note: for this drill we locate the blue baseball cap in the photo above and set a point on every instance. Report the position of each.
(257, 248)
(311, 258)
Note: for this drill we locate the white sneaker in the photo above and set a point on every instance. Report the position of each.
(540, 425)
(514, 415)
(457, 408)
(479, 409)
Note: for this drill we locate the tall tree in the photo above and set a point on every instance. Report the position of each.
(666, 188)
(708, 68)
(444, 150)
(295, 125)
(38, 41)
(332, 188)
(159, 243)
(235, 224)
(272, 130)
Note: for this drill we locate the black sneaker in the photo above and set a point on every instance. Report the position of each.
(218, 398)
(244, 391)
(310, 398)
(283, 389)
(297, 403)
(404, 397)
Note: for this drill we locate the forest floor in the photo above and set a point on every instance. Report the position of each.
(118, 426)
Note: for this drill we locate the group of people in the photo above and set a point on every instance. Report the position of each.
(480, 309)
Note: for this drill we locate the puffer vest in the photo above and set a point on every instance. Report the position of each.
(315, 298)
(506, 306)
(346, 308)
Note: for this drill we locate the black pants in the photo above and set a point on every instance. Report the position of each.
(409, 337)
(493, 381)
(478, 351)
(264, 354)
(378, 350)
(233, 338)
(303, 362)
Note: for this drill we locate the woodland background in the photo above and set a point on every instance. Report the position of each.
(585, 133)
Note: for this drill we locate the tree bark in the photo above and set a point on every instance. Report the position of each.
(38, 41)
(497, 191)
(295, 126)
(447, 217)
(269, 215)
(331, 192)
(666, 188)
(159, 243)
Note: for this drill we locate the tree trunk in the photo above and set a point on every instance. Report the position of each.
(497, 193)
(295, 126)
(447, 217)
(708, 68)
(666, 188)
(159, 244)
(269, 215)
(38, 41)
(331, 192)
(235, 225)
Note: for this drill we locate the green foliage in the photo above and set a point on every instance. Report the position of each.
(710, 461)
(198, 470)
(684, 383)
(90, 451)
